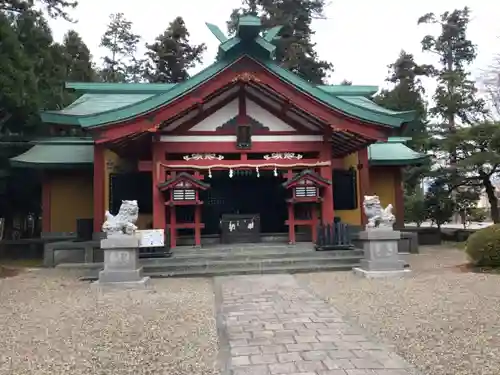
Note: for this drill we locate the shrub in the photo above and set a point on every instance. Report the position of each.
(483, 247)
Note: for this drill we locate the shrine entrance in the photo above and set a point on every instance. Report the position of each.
(245, 193)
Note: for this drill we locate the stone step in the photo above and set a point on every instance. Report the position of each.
(227, 271)
(260, 254)
(211, 264)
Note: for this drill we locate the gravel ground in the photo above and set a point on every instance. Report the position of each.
(441, 320)
(50, 323)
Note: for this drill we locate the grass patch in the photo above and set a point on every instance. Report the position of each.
(21, 263)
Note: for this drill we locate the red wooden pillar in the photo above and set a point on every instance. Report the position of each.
(327, 209)
(364, 181)
(46, 194)
(99, 178)
(197, 226)
(291, 224)
(314, 222)
(158, 176)
(173, 227)
(399, 203)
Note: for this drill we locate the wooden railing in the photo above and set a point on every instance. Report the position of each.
(335, 236)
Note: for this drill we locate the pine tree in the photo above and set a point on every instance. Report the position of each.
(79, 61)
(120, 65)
(455, 98)
(294, 49)
(406, 94)
(171, 56)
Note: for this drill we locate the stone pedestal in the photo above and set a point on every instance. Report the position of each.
(121, 263)
(381, 258)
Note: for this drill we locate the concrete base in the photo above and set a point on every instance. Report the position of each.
(140, 284)
(380, 274)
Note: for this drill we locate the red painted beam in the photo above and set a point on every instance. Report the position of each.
(230, 147)
(234, 163)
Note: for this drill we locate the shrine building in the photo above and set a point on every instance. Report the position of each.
(242, 142)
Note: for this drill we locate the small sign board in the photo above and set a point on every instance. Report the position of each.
(152, 238)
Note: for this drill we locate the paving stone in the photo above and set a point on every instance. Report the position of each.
(276, 327)
(298, 347)
(240, 361)
(315, 355)
(250, 370)
(283, 368)
(263, 359)
(307, 366)
(245, 350)
(366, 363)
(289, 357)
(334, 364)
(305, 339)
(323, 346)
(341, 354)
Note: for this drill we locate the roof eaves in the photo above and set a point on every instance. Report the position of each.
(138, 108)
(333, 101)
(349, 90)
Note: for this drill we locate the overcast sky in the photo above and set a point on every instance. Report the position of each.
(360, 37)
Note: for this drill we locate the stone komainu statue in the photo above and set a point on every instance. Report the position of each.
(124, 221)
(377, 217)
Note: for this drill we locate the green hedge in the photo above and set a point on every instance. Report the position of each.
(483, 247)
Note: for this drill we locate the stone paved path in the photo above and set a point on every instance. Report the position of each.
(270, 325)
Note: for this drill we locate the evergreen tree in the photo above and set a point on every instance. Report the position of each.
(18, 93)
(79, 61)
(55, 8)
(121, 64)
(294, 48)
(171, 55)
(455, 98)
(406, 94)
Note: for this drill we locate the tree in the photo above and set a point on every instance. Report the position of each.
(438, 203)
(415, 209)
(121, 64)
(78, 59)
(55, 8)
(478, 161)
(18, 94)
(407, 94)
(346, 82)
(294, 48)
(171, 55)
(455, 96)
(491, 83)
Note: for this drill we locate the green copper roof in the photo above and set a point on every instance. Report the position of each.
(120, 88)
(393, 153)
(56, 154)
(75, 152)
(119, 102)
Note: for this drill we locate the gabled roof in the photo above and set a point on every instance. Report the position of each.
(306, 174)
(183, 176)
(125, 101)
